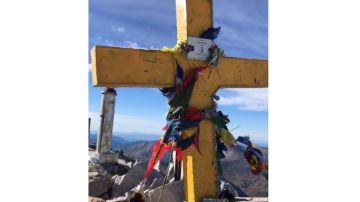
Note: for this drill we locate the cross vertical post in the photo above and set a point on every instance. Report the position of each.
(200, 179)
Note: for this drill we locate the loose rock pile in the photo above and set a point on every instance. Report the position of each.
(116, 182)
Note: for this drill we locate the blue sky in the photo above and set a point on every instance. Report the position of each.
(151, 24)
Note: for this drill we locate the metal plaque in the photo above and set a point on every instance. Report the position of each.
(201, 48)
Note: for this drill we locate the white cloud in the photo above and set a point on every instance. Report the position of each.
(120, 29)
(131, 44)
(109, 42)
(255, 99)
(130, 124)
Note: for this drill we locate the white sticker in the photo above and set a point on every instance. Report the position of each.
(201, 48)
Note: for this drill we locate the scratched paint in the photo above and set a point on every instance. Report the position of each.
(146, 68)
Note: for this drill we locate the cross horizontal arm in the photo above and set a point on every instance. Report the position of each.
(120, 67)
(242, 73)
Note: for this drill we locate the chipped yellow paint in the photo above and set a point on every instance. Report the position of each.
(245, 73)
(119, 67)
(193, 17)
(201, 180)
(115, 67)
(189, 179)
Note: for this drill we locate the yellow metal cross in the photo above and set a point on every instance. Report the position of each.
(124, 67)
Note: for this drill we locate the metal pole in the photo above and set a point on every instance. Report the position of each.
(103, 142)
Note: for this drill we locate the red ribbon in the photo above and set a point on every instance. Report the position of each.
(154, 159)
(193, 114)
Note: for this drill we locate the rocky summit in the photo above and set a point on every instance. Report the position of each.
(117, 182)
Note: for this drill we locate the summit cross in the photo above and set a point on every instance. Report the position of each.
(125, 67)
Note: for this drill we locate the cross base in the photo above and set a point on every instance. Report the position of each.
(104, 157)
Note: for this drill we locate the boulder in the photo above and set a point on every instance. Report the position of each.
(130, 164)
(111, 168)
(224, 185)
(123, 184)
(173, 192)
(126, 158)
(126, 182)
(120, 199)
(98, 186)
(137, 162)
(122, 169)
(93, 174)
(103, 171)
(113, 178)
(94, 199)
(157, 182)
(121, 162)
(95, 167)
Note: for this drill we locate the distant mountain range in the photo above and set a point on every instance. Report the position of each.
(123, 139)
(119, 139)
